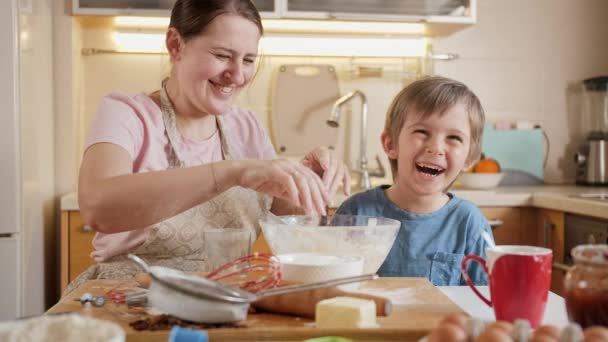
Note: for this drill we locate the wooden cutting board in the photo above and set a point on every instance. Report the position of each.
(302, 99)
(418, 307)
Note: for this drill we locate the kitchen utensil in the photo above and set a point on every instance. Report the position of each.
(200, 299)
(344, 235)
(301, 101)
(592, 157)
(519, 279)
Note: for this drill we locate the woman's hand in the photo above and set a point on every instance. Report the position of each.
(333, 171)
(286, 180)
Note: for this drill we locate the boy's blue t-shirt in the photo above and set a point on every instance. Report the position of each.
(428, 245)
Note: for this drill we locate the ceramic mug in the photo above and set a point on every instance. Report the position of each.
(519, 279)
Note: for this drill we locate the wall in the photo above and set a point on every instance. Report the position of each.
(525, 60)
(520, 58)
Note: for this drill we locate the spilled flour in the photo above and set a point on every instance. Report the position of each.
(64, 328)
(403, 296)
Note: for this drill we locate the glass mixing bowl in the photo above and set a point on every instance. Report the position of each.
(347, 235)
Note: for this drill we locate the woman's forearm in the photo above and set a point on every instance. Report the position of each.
(127, 202)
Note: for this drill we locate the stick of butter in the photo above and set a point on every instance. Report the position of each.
(345, 312)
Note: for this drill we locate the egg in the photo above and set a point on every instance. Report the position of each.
(494, 334)
(596, 334)
(503, 325)
(458, 319)
(448, 332)
(546, 333)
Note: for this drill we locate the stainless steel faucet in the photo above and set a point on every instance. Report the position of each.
(334, 121)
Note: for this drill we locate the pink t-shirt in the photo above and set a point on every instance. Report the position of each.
(135, 123)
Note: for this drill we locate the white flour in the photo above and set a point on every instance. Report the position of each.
(404, 296)
(64, 328)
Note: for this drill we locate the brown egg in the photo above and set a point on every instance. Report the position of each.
(543, 338)
(547, 332)
(494, 334)
(596, 334)
(456, 318)
(448, 332)
(503, 325)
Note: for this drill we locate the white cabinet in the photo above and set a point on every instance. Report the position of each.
(457, 11)
(430, 11)
(9, 286)
(159, 8)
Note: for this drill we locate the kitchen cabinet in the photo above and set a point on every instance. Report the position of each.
(159, 8)
(533, 227)
(419, 11)
(76, 246)
(461, 11)
(512, 225)
(551, 234)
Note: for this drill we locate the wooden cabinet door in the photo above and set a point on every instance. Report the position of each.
(76, 246)
(551, 234)
(511, 225)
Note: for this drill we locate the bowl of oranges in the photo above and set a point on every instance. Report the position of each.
(485, 174)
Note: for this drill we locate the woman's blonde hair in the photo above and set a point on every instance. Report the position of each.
(435, 95)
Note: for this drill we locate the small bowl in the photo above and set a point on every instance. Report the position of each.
(316, 267)
(480, 181)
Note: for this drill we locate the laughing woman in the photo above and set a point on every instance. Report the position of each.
(160, 168)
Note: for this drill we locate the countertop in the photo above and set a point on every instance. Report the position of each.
(555, 197)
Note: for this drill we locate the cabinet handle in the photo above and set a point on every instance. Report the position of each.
(547, 225)
(87, 228)
(561, 267)
(495, 223)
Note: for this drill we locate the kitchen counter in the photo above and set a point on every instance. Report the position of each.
(555, 197)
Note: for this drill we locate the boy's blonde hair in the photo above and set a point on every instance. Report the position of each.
(435, 95)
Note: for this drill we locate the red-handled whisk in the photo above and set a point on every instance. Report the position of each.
(252, 273)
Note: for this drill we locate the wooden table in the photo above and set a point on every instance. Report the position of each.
(418, 307)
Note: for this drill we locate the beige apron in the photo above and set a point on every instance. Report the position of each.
(178, 241)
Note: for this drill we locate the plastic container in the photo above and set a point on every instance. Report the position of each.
(586, 286)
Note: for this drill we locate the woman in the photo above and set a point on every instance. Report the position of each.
(159, 169)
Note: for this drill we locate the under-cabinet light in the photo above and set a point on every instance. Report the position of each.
(139, 42)
(293, 26)
(343, 46)
(296, 46)
(345, 27)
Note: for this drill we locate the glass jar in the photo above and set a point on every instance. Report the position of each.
(586, 286)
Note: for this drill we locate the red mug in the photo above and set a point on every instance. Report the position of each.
(519, 279)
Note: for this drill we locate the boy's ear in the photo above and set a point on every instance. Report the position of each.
(389, 146)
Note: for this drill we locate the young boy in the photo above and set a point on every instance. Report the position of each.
(432, 132)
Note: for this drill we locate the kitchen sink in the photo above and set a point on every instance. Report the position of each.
(599, 197)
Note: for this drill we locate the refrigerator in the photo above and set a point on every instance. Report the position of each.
(28, 243)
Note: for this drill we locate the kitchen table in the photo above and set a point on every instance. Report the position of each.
(463, 296)
(418, 307)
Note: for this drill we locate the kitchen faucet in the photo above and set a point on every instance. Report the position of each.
(334, 121)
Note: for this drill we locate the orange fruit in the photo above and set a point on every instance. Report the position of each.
(487, 165)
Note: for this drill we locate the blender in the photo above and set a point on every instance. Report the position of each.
(592, 157)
